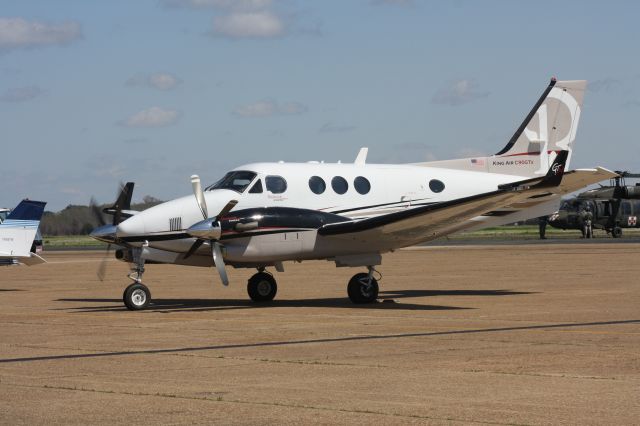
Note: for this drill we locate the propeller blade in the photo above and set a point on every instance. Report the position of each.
(226, 209)
(102, 269)
(219, 261)
(97, 213)
(197, 191)
(194, 247)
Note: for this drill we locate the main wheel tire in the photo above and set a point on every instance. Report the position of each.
(136, 297)
(262, 287)
(616, 232)
(360, 290)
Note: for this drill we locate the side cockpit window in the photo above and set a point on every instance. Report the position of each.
(256, 188)
(275, 184)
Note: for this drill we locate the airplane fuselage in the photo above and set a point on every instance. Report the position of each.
(348, 190)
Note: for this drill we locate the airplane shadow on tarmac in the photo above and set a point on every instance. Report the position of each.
(387, 301)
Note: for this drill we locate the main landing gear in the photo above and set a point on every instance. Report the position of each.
(262, 286)
(137, 296)
(363, 287)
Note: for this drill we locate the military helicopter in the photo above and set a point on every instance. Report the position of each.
(613, 207)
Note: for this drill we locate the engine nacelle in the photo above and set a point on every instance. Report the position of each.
(271, 218)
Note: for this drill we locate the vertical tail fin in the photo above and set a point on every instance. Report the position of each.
(549, 128)
(19, 229)
(123, 202)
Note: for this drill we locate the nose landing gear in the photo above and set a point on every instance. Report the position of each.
(363, 287)
(137, 295)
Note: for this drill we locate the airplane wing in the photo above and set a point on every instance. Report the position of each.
(425, 223)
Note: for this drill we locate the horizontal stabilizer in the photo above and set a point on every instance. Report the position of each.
(34, 259)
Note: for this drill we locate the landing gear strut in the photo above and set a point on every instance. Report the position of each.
(262, 287)
(136, 296)
(363, 287)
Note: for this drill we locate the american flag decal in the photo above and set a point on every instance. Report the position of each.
(477, 161)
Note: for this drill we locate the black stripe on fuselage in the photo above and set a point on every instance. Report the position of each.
(184, 235)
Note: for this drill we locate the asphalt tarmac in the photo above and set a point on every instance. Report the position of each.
(498, 334)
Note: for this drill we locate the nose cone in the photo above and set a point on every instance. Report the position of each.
(106, 233)
(130, 227)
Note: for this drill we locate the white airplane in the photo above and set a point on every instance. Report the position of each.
(17, 232)
(261, 215)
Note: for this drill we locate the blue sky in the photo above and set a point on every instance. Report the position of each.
(93, 93)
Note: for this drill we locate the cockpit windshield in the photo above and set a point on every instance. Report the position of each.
(236, 181)
(576, 205)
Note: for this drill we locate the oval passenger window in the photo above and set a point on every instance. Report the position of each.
(275, 184)
(362, 185)
(436, 185)
(339, 184)
(317, 185)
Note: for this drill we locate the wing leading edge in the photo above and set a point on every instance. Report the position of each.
(425, 223)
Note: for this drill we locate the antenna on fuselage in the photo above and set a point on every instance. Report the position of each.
(362, 156)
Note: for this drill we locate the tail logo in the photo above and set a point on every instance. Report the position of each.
(557, 168)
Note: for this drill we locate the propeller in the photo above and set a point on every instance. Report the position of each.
(107, 230)
(102, 223)
(209, 229)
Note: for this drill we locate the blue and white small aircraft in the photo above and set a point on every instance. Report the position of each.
(17, 232)
(263, 214)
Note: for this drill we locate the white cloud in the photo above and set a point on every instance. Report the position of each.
(16, 33)
(259, 24)
(458, 93)
(21, 94)
(269, 108)
(152, 117)
(160, 81)
(245, 19)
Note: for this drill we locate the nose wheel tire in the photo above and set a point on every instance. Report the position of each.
(262, 287)
(362, 289)
(136, 297)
